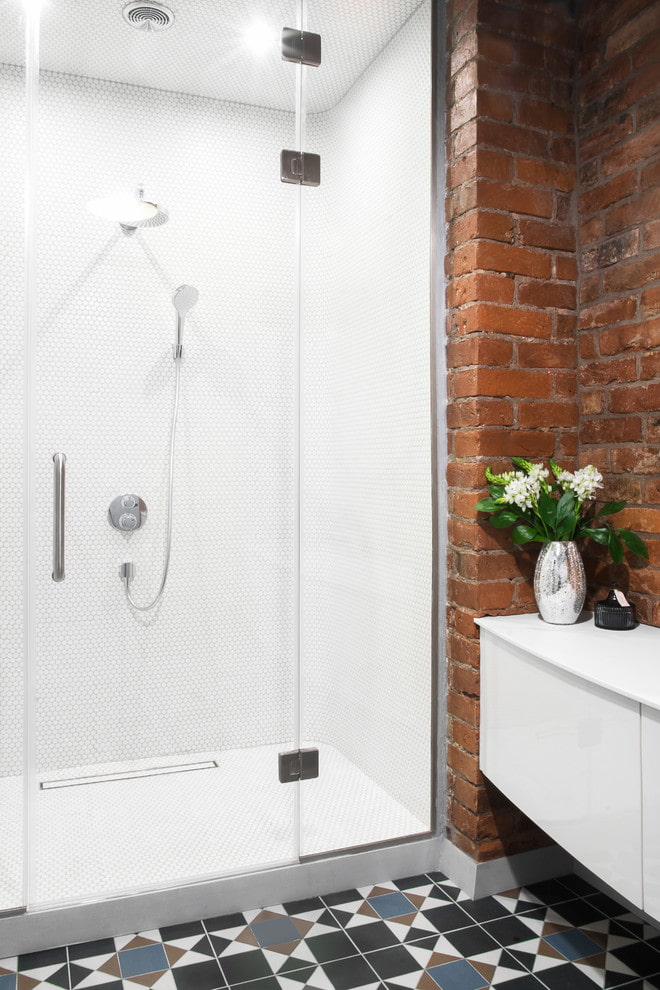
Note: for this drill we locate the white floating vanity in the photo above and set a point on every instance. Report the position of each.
(570, 732)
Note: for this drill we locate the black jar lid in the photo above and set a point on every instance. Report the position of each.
(609, 613)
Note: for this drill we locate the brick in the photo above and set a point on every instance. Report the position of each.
(547, 294)
(651, 174)
(548, 415)
(545, 116)
(648, 111)
(651, 235)
(534, 233)
(590, 288)
(605, 430)
(503, 382)
(486, 317)
(517, 261)
(631, 152)
(612, 191)
(463, 533)
(463, 139)
(553, 354)
(611, 251)
(490, 595)
(462, 170)
(647, 51)
(605, 138)
(607, 372)
(463, 52)
(502, 443)
(640, 519)
(494, 165)
(465, 764)
(462, 200)
(587, 345)
(592, 229)
(649, 303)
(465, 651)
(464, 81)
(480, 224)
(491, 566)
(495, 105)
(545, 174)
(465, 680)
(510, 137)
(650, 366)
(464, 620)
(515, 199)
(643, 206)
(603, 314)
(635, 398)
(466, 736)
(625, 97)
(480, 286)
(565, 267)
(481, 412)
(633, 31)
(592, 403)
(562, 150)
(630, 337)
(631, 274)
(605, 79)
(640, 460)
(463, 111)
(496, 47)
(479, 351)
(565, 385)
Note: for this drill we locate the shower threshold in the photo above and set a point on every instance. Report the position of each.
(102, 778)
(136, 831)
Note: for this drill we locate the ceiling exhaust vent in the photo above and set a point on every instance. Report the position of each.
(148, 16)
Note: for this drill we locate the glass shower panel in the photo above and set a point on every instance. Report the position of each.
(182, 709)
(367, 447)
(12, 444)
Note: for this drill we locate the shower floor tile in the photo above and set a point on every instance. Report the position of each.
(200, 830)
(418, 933)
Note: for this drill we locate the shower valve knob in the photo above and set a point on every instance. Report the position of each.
(127, 512)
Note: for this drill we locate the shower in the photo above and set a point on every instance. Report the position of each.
(279, 596)
(183, 300)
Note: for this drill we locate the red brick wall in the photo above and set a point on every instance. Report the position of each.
(619, 259)
(523, 378)
(511, 348)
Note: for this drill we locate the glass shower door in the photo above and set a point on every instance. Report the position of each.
(367, 543)
(12, 444)
(157, 731)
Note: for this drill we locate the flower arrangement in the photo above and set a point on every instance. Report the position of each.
(546, 510)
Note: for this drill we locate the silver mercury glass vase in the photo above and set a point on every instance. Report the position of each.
(559, 582)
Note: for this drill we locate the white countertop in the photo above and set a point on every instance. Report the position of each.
(626, 662)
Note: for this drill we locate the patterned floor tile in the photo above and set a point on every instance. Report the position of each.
(403, 911)
(35, 970)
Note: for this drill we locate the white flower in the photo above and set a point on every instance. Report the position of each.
(538, 473)
(520, 492)
(584, 482)
(587, 480)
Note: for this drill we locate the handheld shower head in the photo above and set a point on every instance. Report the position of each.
(183, 300)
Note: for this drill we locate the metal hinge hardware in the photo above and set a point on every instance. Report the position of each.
(298, 764)
(299, 46)
(301, 168)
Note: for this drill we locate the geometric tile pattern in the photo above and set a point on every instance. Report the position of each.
(417, 933)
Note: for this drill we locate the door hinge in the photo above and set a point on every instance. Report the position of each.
(299, 764)
(299, 46)
(301, 168)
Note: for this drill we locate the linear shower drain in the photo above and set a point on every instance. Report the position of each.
(102, 778)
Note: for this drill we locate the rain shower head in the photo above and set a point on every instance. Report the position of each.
(183, 300)
(130, 211)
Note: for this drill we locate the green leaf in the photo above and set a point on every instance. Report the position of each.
(634, 544)
(496, 490)
(504, 519)
(486, 505)
(601, 536)
(616, 550)
(566, 529)
(548, 510)
(523, 534)
(611, 507)
(566, 505)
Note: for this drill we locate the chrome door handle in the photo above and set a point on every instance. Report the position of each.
(59, 487)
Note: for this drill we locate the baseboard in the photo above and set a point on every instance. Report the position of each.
(485, 879)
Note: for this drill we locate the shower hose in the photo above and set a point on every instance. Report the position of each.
(170, 494)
